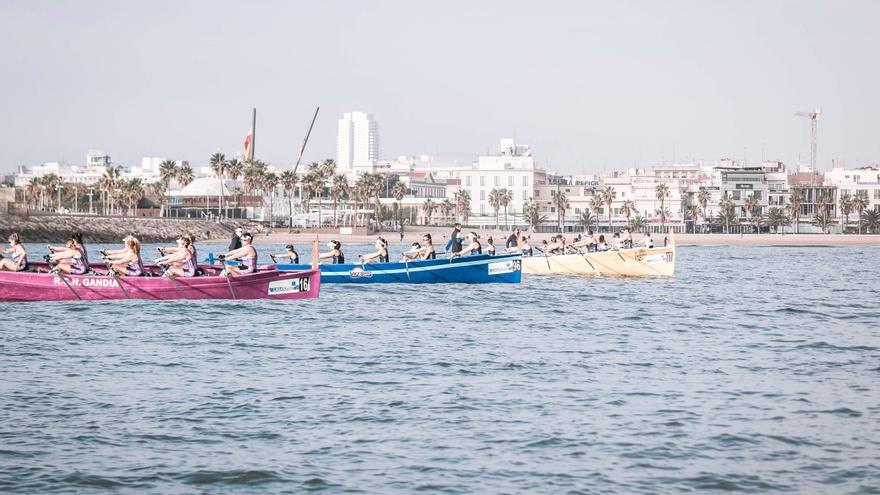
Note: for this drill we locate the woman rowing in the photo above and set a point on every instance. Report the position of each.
(490, 247)
(525, 247)
(179, 262)
(423, 252)
(246, 254)
(381, 252)
(68, 259)
(473, 248)
(18, 261)
(290, 253)
(126, 261)
(335, 253)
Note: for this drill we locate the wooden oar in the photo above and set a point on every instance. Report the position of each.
(113, 274)
(229, 283)
(176, 284)
(61, 276)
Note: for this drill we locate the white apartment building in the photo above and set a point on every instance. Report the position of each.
(864, 182)
(513, 167)
(357, 143)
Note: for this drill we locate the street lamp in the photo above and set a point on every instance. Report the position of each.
(91, 193)
(58, 188)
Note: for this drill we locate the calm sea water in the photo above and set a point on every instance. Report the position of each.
(754, 370)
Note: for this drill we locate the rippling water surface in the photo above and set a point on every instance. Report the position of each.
(754, 370)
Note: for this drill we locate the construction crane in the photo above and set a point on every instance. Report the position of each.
(814, 119)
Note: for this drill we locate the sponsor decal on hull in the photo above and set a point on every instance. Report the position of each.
(502, 267)
(360, 273)
(659, 258)
(278, 287)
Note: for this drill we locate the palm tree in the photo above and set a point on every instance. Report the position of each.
(726, 214)
(533, 214)
(871, 221)
(447, 206)
(463, 204)
(504, 200)
(167, 171)
(750, 204)
(398, 190)
(287, 179)
(693, 211)
(495, 203)
(777, 217)
(822, 218)
(338, 190)
(184, 175)
(795, 200)
(110, 183)
(595, 204)
(628, 207)
(218, 166)
(846, 208)
(429, 206)
(558, 200)
(587, 220)
(662, 192)
(607, 196)
(132, 191)
(703, 199)
(638, 222)
(270, 183)
(860, 204)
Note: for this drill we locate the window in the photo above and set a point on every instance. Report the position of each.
(552, 210)
(497, 181)
(525, 180)
(510, 180)
(577, 211)
(863, 193)
(735, 195)
(525, 195)
(537, 193)
(482, 209)
(467, 181)
(482, 180)
(876, 193)
(757, 195)
(482, 195)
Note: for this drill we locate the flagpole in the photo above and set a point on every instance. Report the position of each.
(253, 134)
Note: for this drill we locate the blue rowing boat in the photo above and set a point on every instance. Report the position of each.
(479, 269)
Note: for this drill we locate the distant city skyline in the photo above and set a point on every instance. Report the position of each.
(589, 86)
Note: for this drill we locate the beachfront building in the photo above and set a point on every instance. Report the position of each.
(513, 168)
(861, 182)
(357, 143)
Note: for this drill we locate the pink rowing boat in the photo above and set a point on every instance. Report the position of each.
(41, 286)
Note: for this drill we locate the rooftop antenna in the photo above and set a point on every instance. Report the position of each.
(814, 119)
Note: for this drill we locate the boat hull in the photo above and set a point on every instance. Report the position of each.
(638, 262)
(480, 269)
(272, 284)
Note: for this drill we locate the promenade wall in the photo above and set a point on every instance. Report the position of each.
(57, 228)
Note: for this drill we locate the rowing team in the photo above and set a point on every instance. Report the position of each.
(176, 261)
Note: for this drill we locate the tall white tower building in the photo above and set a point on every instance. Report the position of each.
(357, 142)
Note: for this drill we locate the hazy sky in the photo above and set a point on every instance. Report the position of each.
(590, 85)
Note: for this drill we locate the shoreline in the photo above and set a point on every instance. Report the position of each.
(440, 235)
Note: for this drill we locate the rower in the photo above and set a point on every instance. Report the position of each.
(490, 247)
(557, 246)
(290, 253)
(601, 245)
(335, 253)
(414, 252)
(525, 247)
(126, 261)
(179, 262)
(381, 252)
(647, 241)
(474, 247)
(246, 253)
(428, 252)
(68, 259)
(18, 261)
(627, 238)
